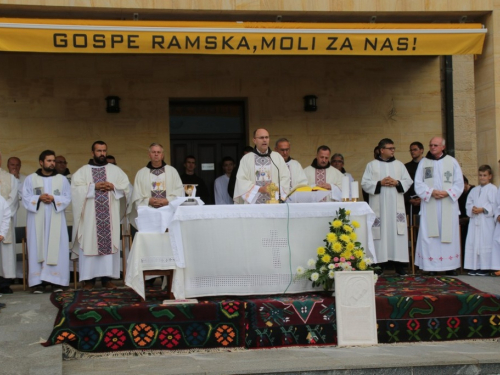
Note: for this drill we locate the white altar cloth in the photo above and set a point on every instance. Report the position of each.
(254, 249)
(151, 251)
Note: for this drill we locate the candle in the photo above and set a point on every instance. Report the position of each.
(345, 187)
(354, 190)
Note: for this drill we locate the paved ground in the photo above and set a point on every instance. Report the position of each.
(28, 319)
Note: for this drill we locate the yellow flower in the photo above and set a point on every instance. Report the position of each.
(347, 228)
(353, 236)
(336, 224)
(358, 254)
(346, 254)
(326, 258)
(345, 238)
(362, 265)
(321, 250)
(348, 212)
(349, 246)
(355, 224)
(337, 246)
(331, 237)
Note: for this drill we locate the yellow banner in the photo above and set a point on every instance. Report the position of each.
(238, 38)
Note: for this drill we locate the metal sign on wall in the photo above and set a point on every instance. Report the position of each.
(239, 38)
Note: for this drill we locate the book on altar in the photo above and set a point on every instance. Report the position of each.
(180, 301)
(307, 194)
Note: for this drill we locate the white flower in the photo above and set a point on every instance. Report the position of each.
(315, 276)
(300, 270)
(311, 263)
(322, 269)
(331, 266)
(368, 261)
(375, 277)
(331, 274)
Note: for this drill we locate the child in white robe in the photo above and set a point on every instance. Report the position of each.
(481, 208)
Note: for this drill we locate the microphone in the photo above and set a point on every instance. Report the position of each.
(279, 179)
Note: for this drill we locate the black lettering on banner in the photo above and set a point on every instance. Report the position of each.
(211, 42)
(60, 40)
(333, 41)
(346, 44)
(402, 44)
(300, 45)
(372, 45)
(282, 44)
(174, 42)
(82, 37)
(195, 43)
(99, 41)
(158, 40)
(387, 44)
(116, 39)
(271, 43)
(131, 41)
(225, 42)
(243, 43)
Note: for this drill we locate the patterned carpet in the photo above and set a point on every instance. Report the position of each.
(409, 309)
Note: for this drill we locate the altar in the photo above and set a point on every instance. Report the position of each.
(240, 249)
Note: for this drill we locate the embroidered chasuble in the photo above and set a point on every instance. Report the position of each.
(150, 182)
(102, 214)
(438, 243)
(257, 170)
(329, 175)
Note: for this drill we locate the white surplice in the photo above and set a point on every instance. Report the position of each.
(5, 216)
(250, 175)
(333, 177)
(495, 253)
(41, 271)
(9, 190)
(479, 243)
(220, 190)
(169, 181)
(391, 237)
(92, 265)
(297, 175)
(431, 254)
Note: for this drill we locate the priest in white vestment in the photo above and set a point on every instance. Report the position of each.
(96, 190)
(258, 169)
(297, 175)
(386, 180)
(156, 184)
(481, 207)
(337, 162)
(46, 195)
(9, 190)
(439, 183)
(321, 173)
(221, 183)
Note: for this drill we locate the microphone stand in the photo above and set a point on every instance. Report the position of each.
(279, 179)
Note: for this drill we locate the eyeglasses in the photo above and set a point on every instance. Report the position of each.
(337, 161)
(262, 137)
(434, 145)
(390, 148)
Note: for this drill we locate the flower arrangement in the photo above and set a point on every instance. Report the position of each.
(341, 253)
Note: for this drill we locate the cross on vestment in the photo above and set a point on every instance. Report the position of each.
(447, 174)
(275, 244)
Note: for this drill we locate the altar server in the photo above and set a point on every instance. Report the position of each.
(9, 190)
(386, 180)
(321, 173)
(258, 169)
(156, 184)
(481, 207)
(297, 175)
(46, 195)
(439, 183)
(221, 183)
(96, 190)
